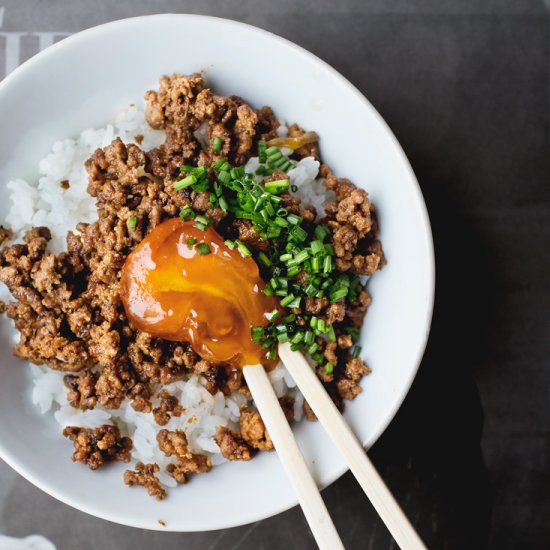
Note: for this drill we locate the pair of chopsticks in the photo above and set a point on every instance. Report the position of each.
(296, 469)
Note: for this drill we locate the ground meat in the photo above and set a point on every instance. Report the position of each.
(5, 234)
(233, 446)
(183, 105)
(308, 411)
(145, 476)
(95, 446)
(348, 383)
(141, 395)
(352, 220)
(358, 309)
(197, 465)
(82, 392)
(345, 341)
(254, 432)
(316, 305)
(169, 406)
(175, 444)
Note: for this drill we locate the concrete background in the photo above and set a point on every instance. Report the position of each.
(464, 86)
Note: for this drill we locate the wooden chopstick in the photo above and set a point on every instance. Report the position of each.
(291, 458)
(352, 450)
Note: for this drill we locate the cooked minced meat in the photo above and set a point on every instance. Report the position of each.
(95, 446)
(174, 443)
(233, 446)
(254, 432)
(145, 476)
(67, 307)
(169, 406)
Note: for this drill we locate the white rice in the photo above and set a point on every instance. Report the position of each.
(46, 202)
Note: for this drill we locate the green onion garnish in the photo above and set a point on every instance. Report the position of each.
(356, 352)
(329, 368)
(257, 334)
(276, 187)
(203, 249)
(217, 144)
(191, 241)
(187, 213)
(185, 182)
(132, 222)
(321, 232)
(338, 293)
(243, 249)
(262, 153)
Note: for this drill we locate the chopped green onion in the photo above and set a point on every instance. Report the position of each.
(315, 264)
(309, 337)
(191, 241)
(313, 322)
(230, 244)
(283, 337)
(257, 334)
(297, 338)
(187, 213)
(273, 315)
(263, 257)
(276, 187)
(290, 318)
(295, 303)
(310, 290)
(321, 326)
(327, 264)
(243, 249)
(217, 144)
(356, 352)
(317, 247)
(294, 219)
(272, 354)
(272, 151)
(262, 153)
(322, 231)
(132, 222)
(298, 233)
(329, 368)
(203, 249)
(185, 182)
(313, 348)
(218, 164)
(285, 301)
(338, 293)
(331, 334)
(223, 204)
(202, 220)
(293, 271)
(224, 177)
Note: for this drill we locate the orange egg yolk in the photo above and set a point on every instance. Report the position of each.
(211, 301)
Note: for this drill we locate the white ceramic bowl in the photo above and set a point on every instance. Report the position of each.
(82, 82)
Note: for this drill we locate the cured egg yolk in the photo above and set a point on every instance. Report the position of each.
(175, 287)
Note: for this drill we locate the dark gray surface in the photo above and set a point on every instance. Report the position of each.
(464, 86)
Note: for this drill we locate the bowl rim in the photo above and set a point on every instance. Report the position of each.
(28, 65)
